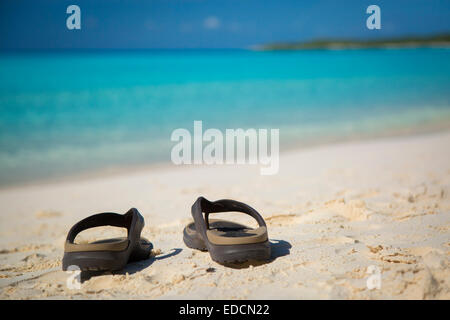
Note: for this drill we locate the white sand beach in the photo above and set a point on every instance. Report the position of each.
(332, 211)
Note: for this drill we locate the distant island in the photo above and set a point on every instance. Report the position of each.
(404, 42)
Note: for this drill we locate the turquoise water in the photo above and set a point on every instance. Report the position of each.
(67, 113)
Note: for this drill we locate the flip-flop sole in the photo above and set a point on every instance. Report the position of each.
(235, 253)
(106, 260)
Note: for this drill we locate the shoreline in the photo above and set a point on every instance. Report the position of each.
(406, 42)
(359, 47)
(291, 147)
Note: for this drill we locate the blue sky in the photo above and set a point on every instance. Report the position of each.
(209, 23)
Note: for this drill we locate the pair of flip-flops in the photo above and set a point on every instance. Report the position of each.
(226, 241)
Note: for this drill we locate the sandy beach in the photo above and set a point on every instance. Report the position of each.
(332, 212)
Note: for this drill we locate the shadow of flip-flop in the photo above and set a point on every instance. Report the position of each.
(137, 266)
(278, 248)
(131, 267)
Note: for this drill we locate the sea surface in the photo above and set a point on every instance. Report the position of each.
(65, 113)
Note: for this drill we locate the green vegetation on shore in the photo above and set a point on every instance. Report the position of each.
(404, 42)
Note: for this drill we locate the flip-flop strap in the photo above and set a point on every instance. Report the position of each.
(127, 220)
(224, 205)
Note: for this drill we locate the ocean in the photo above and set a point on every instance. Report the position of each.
(66, 113)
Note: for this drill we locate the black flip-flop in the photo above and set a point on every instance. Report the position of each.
(109, 254)
(226, 241)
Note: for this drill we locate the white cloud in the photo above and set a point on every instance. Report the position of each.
(211, 22)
